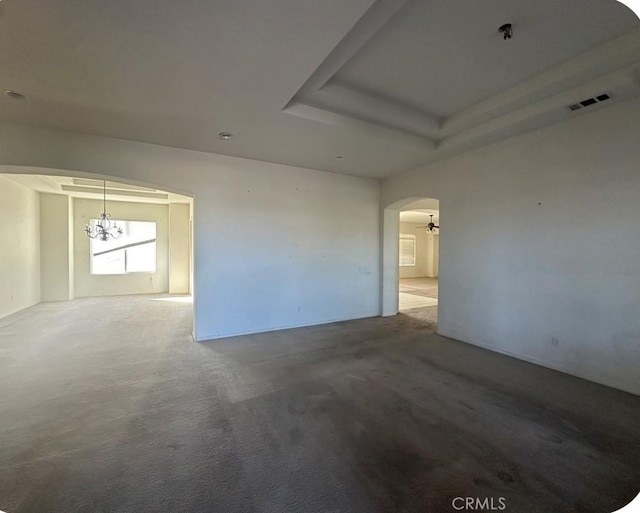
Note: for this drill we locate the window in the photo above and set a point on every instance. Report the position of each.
(407, 250)
(133, 252)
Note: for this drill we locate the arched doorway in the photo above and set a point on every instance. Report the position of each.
(410, 268)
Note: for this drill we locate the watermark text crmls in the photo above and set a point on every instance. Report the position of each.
(479, 504)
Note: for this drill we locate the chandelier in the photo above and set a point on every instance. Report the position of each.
(104, 229)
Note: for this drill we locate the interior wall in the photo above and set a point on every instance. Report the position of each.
(56, 258)
(87, 284)
(435, 241)
(284, 247)
(274, 246)
(551, 274)
(20, 255)
(179, 248)
(71, 240)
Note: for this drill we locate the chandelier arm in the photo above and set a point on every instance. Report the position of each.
(104, 228)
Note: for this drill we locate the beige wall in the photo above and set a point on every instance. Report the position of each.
(20, 255)
(56, 247)
(179, 248)
(436, 255)
(87, 284)
(426, 253)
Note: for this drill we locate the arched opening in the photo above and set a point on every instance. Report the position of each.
(411, 242)
(48, 209)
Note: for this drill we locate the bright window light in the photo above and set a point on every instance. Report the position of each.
(407, 250)
(133, 252)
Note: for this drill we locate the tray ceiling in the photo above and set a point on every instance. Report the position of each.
(362, 87)
(442, 56)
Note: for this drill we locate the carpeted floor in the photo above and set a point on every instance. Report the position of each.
(107, 405)
(421, 317)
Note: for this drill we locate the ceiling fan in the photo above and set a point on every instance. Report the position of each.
(431, 226)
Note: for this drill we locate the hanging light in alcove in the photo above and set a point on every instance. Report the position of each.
(104, 229)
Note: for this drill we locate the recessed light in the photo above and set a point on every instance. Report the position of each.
(225, 136)
(14, 95)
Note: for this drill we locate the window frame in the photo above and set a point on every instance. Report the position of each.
(122, 222)
(413, 239)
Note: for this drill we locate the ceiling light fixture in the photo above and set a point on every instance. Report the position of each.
(104, 230)
(225, 136)
(506, 30)
(14, 95)
(431, 226)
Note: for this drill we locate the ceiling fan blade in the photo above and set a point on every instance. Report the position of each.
(435, 226)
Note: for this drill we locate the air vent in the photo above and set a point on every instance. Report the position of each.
(590, 101)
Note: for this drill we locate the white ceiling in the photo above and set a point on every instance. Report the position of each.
(93, 189)
(464, 59)
(419, 216)
(386, 84)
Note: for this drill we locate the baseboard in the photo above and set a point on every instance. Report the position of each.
(282, 328)
(543, 363)
(20, 309)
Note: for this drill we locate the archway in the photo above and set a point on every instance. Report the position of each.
(418, 264)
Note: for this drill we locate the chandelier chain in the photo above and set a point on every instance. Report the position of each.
(104, 230)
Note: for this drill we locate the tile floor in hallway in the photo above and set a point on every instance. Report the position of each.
(417, 293)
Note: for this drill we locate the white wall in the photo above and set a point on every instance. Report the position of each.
(56, 243)
(20, 254)
(274, 246)
(557, 254)
(87, 284)
(286, 247)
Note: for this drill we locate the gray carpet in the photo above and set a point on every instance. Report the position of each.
(420, 318)
(108, 406)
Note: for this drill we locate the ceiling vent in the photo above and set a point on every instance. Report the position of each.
(590, 101)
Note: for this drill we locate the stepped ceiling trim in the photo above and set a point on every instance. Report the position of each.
(540, 100)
